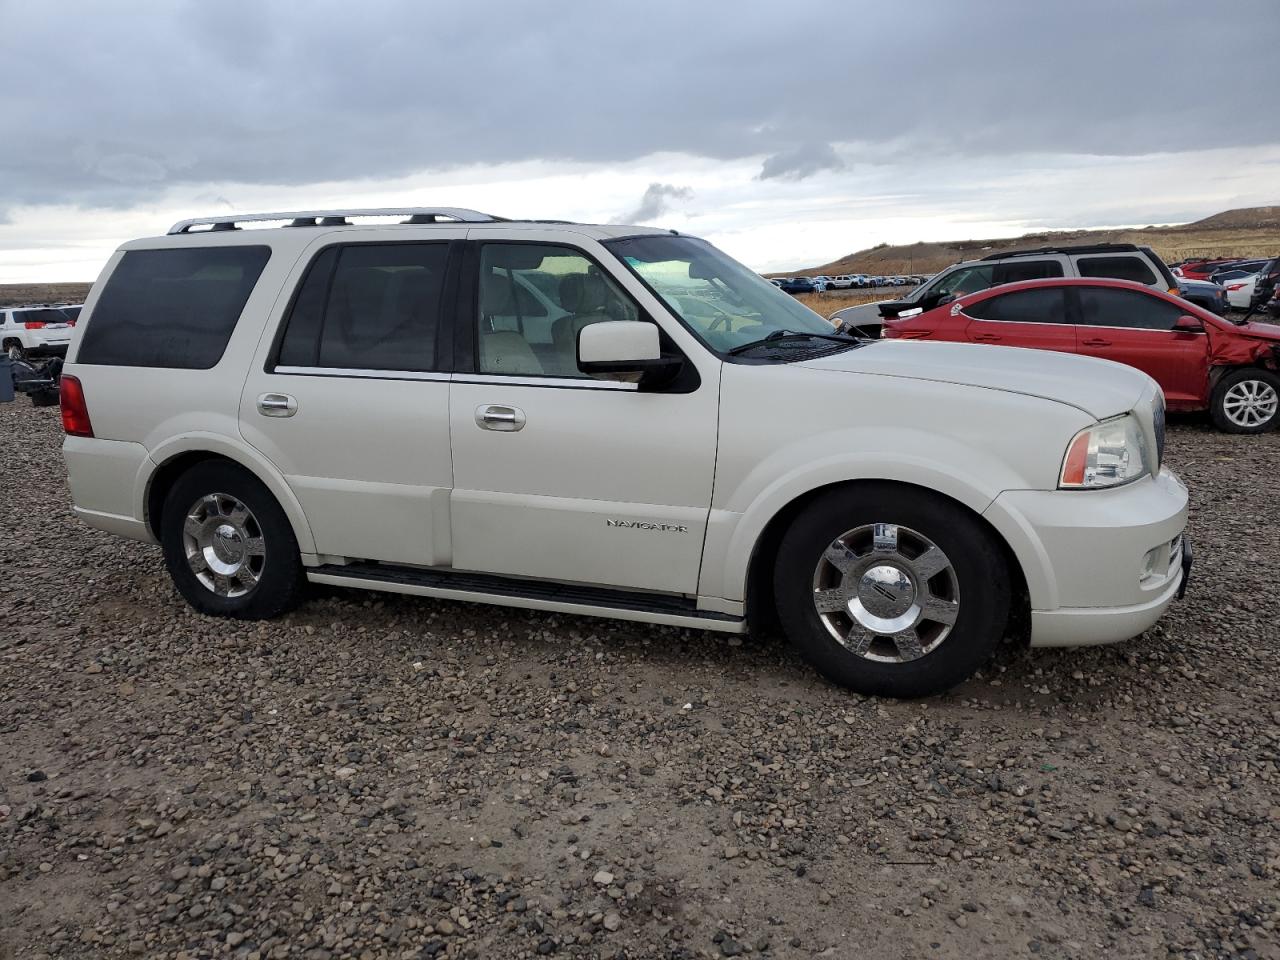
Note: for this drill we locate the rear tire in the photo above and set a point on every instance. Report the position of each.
(14, 350)
(1246, 401)
(229, 546)
(890, 590)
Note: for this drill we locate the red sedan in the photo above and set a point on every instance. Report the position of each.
(1200, 359)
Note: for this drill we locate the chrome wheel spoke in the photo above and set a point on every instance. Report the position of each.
(908, 644)
(858, 640)
(939, 610)
(221, 584)
(831, 601)
(930, 563)
(840, 557)
(191, 526)
(197, 562)
(255, 547)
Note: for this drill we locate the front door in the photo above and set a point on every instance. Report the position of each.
(1023, 318)
(558, 476)
(351, 402)
(1136, 328)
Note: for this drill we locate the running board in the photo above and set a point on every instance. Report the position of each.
(527, 594)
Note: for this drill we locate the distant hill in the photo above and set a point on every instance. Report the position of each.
(1248, 232)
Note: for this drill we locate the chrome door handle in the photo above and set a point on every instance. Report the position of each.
(497, 416)
(277, 405)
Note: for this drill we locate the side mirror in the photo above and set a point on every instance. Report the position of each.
(629, 351)
(1188, 324)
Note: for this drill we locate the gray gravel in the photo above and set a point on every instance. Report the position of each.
(378, 776)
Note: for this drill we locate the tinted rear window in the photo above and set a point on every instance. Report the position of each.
(1116, 268)
(369, 307)
(172, 308)
(40, 316)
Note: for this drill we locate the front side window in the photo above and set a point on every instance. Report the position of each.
(1023, 306)
(533, 300)
(722, 302)
(368, 307)
(1117, 268)
(1109, 307)
(963, 281)
(172, 308)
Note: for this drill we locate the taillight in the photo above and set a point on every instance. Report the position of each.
(34, 324)
(75, 412)
(1234, 286)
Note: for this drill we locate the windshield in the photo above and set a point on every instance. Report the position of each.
(721, 301)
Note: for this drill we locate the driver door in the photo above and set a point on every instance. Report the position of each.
(557, 476)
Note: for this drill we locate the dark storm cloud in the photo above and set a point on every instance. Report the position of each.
(800, 162)
(103, 104)
(655, 202)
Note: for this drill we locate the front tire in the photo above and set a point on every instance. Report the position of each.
(1246, 401)
(891, 591)
(229, 546)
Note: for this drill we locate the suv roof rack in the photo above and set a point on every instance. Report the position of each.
(1068, 248)
(335, 218)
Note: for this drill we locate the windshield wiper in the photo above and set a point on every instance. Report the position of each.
(783, 336)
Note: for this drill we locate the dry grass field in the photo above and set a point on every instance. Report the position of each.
(21, 294)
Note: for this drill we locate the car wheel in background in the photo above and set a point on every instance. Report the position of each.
(14, 350)
(228, 544)
(890, 590)
(1246, 401)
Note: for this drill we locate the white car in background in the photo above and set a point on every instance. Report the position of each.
(1239, 286)
(612, 421)
(842, 282)
(39, 331)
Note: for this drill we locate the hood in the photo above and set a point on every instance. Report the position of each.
(1264, 331)
(1098, 387)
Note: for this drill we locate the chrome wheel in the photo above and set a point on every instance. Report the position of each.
(1250, 403)
(886, 593)
(224, 545)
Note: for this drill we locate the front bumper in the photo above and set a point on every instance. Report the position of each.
(1100, 565)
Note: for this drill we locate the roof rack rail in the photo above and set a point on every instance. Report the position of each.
(335, 218)
(1065, 248)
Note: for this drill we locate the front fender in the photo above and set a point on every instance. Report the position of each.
(922, 459)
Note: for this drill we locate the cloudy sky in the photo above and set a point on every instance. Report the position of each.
(789, 134)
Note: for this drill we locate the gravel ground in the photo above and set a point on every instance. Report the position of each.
(377, 776)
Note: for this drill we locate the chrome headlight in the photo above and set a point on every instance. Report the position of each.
(1106, 455)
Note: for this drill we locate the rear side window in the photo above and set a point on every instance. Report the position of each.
(1023, 306)
(1109, 307)
(1117, 268)
(172, 308)
(368, 307)
(1017, 270)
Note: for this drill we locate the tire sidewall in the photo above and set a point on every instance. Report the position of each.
(980, 568)
(1217, 406)
(278, 587)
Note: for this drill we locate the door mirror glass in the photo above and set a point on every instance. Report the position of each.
(629, 351)
(1188, 324)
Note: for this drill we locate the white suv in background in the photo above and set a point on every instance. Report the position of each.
(606, 420)
(37, 331)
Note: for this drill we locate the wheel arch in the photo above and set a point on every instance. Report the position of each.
(760, 605)
(178, 456)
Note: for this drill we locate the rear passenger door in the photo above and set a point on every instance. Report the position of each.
(1023, 318)
(1136, 328)
(349, 397)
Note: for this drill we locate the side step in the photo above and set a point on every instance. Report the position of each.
(528, 594)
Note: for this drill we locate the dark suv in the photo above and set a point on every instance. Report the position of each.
(1115, 261)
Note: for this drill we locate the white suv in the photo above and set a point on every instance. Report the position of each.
(35, 331)
(605, 420)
